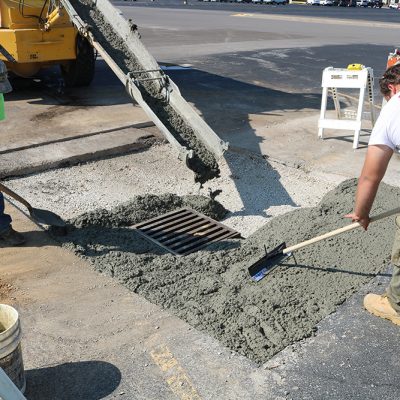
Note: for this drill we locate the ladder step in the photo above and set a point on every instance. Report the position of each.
(339, 124)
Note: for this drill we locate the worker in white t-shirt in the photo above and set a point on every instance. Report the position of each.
(385, 139)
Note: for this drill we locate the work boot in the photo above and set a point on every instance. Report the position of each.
(11, 237)
(380, 306)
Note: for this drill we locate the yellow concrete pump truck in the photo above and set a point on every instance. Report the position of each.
(35, 34)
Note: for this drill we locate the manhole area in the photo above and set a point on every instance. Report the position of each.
(184, 231)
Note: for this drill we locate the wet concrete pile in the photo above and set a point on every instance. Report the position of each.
(203, 164)
(212, 290)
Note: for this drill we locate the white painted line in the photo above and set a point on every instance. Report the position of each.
(322, 20)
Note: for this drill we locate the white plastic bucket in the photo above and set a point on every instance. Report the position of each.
(10, 346)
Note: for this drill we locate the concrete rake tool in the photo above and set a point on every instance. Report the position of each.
(271, 260)
(42, 216)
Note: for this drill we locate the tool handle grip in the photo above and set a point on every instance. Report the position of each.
(336, 232)
(14, 195)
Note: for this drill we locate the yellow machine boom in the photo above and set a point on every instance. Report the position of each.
(35, 34)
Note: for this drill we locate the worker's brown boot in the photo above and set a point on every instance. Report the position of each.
(380, 306)
(11, 237)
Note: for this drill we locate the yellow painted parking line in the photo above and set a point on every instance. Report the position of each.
(320, 20)
(242, 15)
(175, 376)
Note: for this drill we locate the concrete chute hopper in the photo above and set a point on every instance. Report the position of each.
(147, 84)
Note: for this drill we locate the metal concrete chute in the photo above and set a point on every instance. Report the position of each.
(147, 72)
(130, 35)
(203, 131)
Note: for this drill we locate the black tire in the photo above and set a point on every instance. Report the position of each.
(80, 72)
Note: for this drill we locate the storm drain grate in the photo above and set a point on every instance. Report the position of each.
(184, 231)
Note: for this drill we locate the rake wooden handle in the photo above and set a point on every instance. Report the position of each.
(336, 232)
(16, 196)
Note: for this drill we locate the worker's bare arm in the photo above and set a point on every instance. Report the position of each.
(375, 165)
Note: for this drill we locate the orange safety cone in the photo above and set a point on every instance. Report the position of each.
(393, 58)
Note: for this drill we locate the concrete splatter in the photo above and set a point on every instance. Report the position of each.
(212, 290)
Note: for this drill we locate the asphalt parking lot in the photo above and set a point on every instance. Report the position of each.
(269, 61)
(383, 14)
(178, 33)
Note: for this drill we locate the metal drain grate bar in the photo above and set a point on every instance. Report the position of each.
(185, 234)
(185, 228)
(203, 242)
(160, 220)
(179, 226)
(206, 231)
(184, 231)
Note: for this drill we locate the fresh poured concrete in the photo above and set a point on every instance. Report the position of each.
(212, 290)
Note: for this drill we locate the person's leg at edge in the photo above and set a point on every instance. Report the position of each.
(7, 234)
(393, 291)
(5, 219)
(388, 305)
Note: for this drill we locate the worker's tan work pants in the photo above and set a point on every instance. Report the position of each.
(393, 291)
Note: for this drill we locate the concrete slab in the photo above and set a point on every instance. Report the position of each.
(53, 112)
(69, 126)
(34, 159)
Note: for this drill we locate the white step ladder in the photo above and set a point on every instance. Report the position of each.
(334, 78)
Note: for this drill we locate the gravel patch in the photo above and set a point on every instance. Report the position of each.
(253, 190)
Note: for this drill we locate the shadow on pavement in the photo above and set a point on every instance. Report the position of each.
(228, 106)
(47, 88)
(86, 380)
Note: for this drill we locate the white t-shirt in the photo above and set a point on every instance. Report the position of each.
(387, 128)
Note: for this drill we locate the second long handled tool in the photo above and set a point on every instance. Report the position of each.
(42, 216)
(271, 260)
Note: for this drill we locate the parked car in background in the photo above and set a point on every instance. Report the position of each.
(313, 2)
(394, 4)
(283, 2)
(362, 3)
(375, 3)
(256, 1)
(326, 2)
